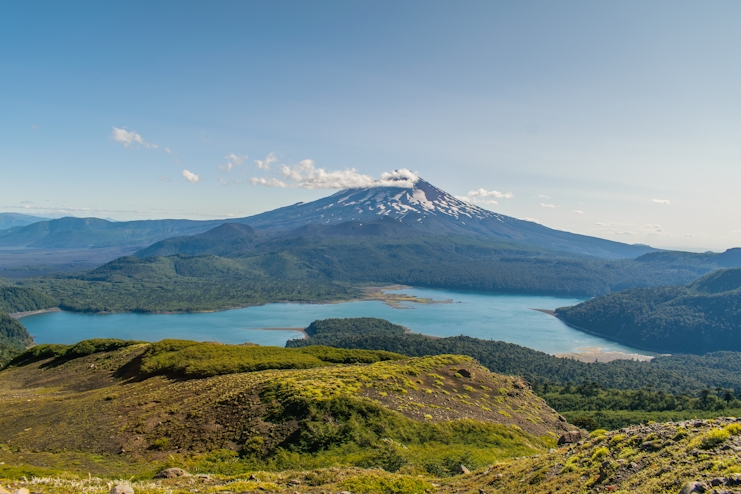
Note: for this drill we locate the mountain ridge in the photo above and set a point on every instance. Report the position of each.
(429, 209)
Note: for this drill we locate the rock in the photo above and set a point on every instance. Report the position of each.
(294, 482)
(570, 437)
(650, 446)
(22, 490)
(3, 491)
(735, 480)
(172, 473)
(717, 482)
(693, 487)
(463, 470)
(122, 489)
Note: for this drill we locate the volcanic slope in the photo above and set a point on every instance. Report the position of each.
(434, 211)
(275, 408)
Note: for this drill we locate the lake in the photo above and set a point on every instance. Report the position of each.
(481, 315)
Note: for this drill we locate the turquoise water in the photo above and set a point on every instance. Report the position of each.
(481, 315)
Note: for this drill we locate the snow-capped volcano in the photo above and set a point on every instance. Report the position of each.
(427, 210)
(419, 201)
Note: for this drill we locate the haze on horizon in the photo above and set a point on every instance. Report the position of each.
(619, 120)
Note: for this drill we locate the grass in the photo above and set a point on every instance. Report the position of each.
(199, 360)
(229, 410)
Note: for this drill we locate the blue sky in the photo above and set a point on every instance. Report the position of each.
(614, 119)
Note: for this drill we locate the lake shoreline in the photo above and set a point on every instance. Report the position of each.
(595, 355)
(297, 330)
(482, 315)
(19, 315)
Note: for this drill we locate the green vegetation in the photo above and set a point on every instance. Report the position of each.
(264, 409)
(704, 316)
(19, 299)
(191, 359)
(13, 338)
(592, 406)
(178, 284)
(676, 374)
(366, 326)
(317, 269)
(592, 395)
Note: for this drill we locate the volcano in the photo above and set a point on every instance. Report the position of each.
(426, 209)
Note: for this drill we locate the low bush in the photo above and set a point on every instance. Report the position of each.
(199, 360)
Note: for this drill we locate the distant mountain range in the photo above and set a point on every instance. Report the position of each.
(76, 233)
(10, 220)
(377, 211)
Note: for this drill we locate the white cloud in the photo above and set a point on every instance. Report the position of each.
(234, 161)
(306, 175)
(237, 159)
(169, 151)
(578, 211)
(165, 178)
(544, 205)
(265, 164)
(268, 182)
(130, 138)
(485, 196)
(223, 182)
(190, 176)
(617, 228)
(543, 196)
(661, 201)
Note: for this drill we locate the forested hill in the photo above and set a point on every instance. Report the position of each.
(704, 316)
(311, 269)
(19, 299)
(13, 338)
(676, 374)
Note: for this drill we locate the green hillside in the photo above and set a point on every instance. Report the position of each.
(704, 316)
(591, 395)
(131, 408)
(19, 299)
(181, 284)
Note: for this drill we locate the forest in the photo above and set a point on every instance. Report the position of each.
(306, 269)
(703, 316)
(13, 336)
(593, 395)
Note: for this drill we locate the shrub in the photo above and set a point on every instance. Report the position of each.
(386, 484)
(600, 453)
(36, 354)
(96, 345)
(714, 438)
(617, 439)
(198, 360)
(734, 429)
(160, 444)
